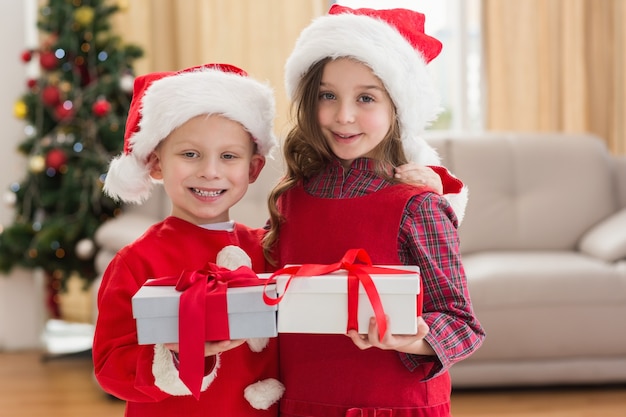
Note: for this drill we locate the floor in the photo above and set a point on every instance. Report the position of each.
(33, 384)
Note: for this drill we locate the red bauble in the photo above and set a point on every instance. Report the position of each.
(47, 60)
(101, 107)
(64, 111)
(50, 95)
(31, 83)
(27, 56)
(55, 159)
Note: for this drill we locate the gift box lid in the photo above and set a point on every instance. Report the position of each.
(335, 282)
(163, 301)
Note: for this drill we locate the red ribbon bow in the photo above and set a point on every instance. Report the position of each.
(194, 329)
(359, 266)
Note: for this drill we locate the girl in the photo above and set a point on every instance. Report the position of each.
(359, 84)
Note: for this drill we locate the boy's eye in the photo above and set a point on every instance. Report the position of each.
(229, 156)
(190, 154)
(327, 96)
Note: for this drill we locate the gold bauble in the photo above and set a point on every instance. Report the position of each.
(84, 15)
(20, 109)
(37, 164)
(65, 86)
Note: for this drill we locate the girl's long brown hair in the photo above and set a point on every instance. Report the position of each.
(306, 152)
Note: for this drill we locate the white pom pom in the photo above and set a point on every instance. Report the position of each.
(257, 344)
(232, 257)
(128, 180)
(262, 394)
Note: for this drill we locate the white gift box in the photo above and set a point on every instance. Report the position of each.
(155, 309)
(319, 304)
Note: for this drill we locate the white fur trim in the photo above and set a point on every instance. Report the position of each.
(257, 344)
(459, 203)
(128, 180)
(232, 257)
(420, 152)
(166, 375)
(262, 394)
(171, 101)
(377, 44)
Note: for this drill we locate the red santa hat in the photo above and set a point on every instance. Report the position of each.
(393, 44)
(163, 101)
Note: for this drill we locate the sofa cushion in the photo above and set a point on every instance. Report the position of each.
(605, 241)
(530, 191)
(536, 304)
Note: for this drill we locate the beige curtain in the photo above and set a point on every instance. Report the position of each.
(557, 65)
(254, 35)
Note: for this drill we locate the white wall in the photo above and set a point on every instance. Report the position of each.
(12, 86)
(21, 295)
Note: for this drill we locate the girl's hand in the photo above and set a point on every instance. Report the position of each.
(419, 175)
(414, 344)
(211, 348)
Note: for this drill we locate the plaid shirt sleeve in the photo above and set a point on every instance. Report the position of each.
(428, 238)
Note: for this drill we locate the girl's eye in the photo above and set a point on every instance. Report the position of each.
(327, 96)
(190, 154)
(366, 99)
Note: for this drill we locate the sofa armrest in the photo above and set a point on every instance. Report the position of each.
(114, 234)
(607, 239)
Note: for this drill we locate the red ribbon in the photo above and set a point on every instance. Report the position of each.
(198, 287)
(359, 266)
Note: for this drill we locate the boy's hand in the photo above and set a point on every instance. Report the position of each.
(414, 344)
(211, 348)
(419, 175)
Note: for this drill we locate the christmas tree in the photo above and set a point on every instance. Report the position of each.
(75, 112)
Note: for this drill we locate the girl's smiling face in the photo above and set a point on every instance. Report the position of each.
(355, 112)
(206, 165)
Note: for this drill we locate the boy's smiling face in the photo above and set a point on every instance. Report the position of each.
(206, 165)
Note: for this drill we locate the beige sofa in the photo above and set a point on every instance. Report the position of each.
(544, 248)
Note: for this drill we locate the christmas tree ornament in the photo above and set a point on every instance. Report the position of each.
(55, 159)
(127, 82)
(50, 95)
(31, 83)
(36, 164)
(48, 60)
(9, 199)
(65, 86)
(85, 249)
(64, 111)
(20, 109)
(27, 56)
(101, 107)
(84, 16)
(30, 131)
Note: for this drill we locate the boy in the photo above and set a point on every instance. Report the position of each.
(203, 133)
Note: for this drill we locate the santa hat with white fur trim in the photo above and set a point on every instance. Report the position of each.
(164, 101)
(393, 44)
